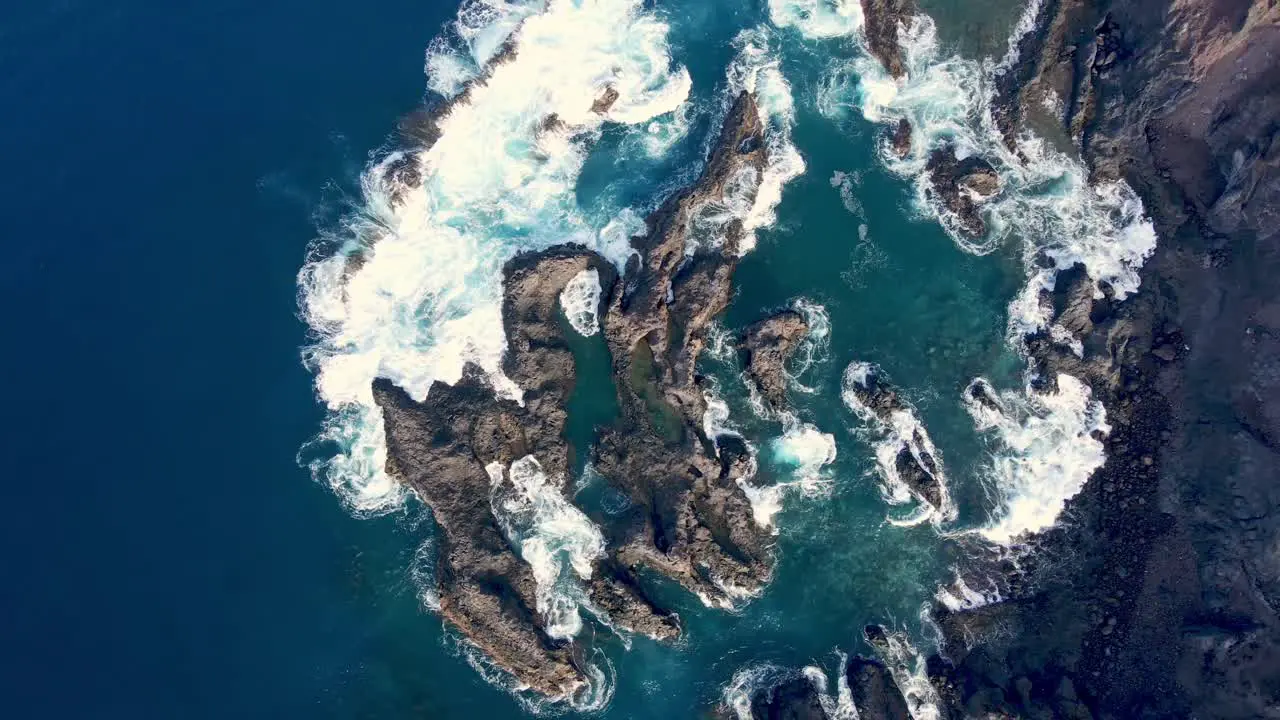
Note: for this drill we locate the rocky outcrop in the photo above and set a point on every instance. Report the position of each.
(766, 347)
(882, 20)
(1159, 597)
(446, 450)
(915, 465)
(794, 699)
(874, 693)
(900, 139)
(960, 186)
(689, 519)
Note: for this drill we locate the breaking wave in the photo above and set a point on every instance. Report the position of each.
(909, 669)
(901, 431)
(409, 288)
(766, 677)
(556, 538)
(1047, 446)
(581, 301)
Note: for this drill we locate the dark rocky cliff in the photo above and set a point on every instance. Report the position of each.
(1158, 596)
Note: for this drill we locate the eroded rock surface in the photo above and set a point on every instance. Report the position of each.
(446, 449)
(688, 519)
(961, 186)
(874, 693)
(1158, 597)
(766, 347)
(882, 20)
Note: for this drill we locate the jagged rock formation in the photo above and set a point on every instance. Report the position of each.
(900, 139)
(1158, 599)
(960, 185)
(915, 465)
(689, 519)
(874, 693)
(764, 350)
(443, 448)
(882, 20)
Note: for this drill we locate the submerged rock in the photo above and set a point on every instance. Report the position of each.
(765, 348)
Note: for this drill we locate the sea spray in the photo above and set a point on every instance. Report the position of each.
(1048, 443)
(580, 300)
(553, 536)
(895, 429)
(409, 288)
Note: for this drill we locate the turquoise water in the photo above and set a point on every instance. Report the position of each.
(898, 292)
(170, 170)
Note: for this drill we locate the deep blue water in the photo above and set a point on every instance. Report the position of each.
(165, 170)
(164, 555)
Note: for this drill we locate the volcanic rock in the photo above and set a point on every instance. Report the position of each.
(765, 348)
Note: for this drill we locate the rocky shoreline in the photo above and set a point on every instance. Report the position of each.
(687, 518)
(1156, 594)
(1157, 597)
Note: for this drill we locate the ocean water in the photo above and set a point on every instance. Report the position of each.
(199, 523)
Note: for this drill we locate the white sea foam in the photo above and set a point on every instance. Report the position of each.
(1046, 201)
(751, 679)
(802, 449)
(847, 185)
(890, 436)
(1046, 198)
(585, 697)
(1047, 446)
(805, 452)
(422, 573)
(961, 595)
(757, 69)
(581, 301)
(910, 673)
(556, 538)
(812, 348)
(413, 291)
(656, 138)
(818, 18)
